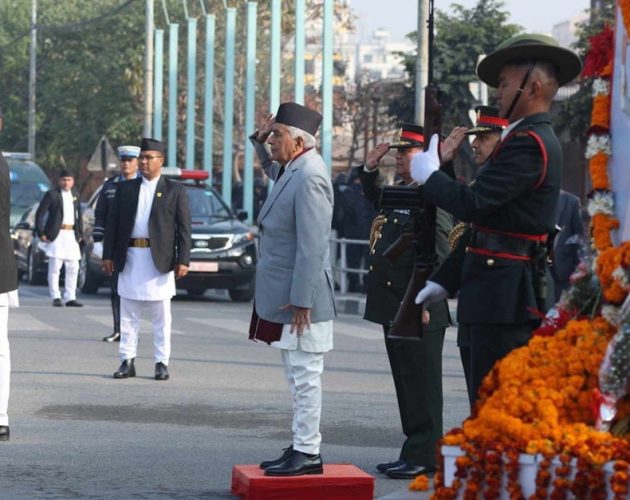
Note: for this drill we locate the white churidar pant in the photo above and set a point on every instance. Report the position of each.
(130, 315)
(8, 299)
(72, 274)
(303, 371)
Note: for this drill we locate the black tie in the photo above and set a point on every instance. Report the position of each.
(280, 172)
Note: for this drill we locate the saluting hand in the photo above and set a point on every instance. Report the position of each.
(450, 145)
(180, 271)
(301, 318)
(374, 156)
(264, 131)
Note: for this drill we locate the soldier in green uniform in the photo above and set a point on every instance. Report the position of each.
(416, 366)
(511, 205)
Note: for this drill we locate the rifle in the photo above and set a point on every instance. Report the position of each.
(408, 321)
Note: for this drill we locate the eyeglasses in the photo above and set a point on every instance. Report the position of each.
(148, 157)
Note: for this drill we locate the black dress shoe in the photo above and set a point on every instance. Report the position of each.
(297, 464)
(408, 471)
(161, 372)
(285, 454)
(57, 303)
(73, 303)
(389, 465)
(4, 432)
(114, 337)
(126, 370)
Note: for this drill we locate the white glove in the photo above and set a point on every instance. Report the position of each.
(424, 164)
(431, 293)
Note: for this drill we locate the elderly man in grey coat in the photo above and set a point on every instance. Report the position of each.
(294, 305)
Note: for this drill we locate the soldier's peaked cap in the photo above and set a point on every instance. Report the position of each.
(411, 136)
(298, 116)
(530, 47)
(149, 144)
(487, 120)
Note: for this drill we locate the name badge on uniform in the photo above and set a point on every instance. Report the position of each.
(403, 211)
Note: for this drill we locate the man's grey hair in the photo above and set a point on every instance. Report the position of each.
(309, 140)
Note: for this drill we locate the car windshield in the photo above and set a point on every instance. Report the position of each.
(204, 202)
(24, 195)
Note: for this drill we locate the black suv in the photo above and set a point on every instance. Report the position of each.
(223, 252)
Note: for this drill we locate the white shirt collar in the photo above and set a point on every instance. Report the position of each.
(152, 182)
(509, 128)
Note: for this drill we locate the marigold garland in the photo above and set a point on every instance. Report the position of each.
(624, 6)
(600, 114)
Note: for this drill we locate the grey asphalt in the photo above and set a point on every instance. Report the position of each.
(78, 433)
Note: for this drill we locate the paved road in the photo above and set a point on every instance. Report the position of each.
(78, 433)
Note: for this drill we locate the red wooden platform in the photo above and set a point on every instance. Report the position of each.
(338, 482)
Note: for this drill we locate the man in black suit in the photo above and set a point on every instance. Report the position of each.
(128, 157)
(147, 242)
(58, 223)
(511, 205)
(8, 292)
(568, 242)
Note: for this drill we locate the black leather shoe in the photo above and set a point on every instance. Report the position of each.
(286, 453)
(389, 465)
(57, 303)
(161, 372)
(114, 337)
(297, 464)
(73, 303)
(126, 370)
(408, 471)
(4, 432)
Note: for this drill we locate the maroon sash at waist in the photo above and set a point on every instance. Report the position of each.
(260, 329)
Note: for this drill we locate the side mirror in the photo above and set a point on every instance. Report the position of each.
(242, 215)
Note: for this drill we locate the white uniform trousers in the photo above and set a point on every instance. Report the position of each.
(130, 315)
(72, 273)
(303, 371)
(5, 365)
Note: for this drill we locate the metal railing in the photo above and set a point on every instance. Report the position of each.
(339, 262)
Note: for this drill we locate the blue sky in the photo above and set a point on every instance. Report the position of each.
(400, 16)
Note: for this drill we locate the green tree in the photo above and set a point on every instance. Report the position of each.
(460, 38)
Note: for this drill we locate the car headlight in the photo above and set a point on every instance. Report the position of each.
(242, 238)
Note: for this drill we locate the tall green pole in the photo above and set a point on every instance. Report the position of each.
(274, 70)
(158, 84)
(208, 111)
(173, 35)
(300, 20)
(276, 33)
(228, 108)
(327, 84)
(250, 103)
(191, 93)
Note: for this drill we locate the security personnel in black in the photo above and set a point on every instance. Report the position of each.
(128, 157)
(416, 366)
(511, 205)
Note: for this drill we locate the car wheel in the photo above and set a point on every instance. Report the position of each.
(242, 294)
(32, 276)
(87, 282)
(195, 292)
